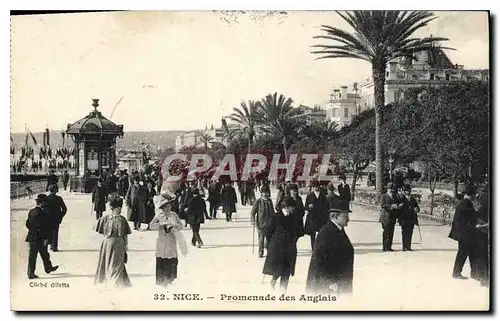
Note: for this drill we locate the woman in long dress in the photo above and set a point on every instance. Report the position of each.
(113, 254)
(169, 226)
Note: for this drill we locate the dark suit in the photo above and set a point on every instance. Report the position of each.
(38, 225)
(99, 195)
(214, 198)
(461, 231)
(52, 179)
(332, 261)
(197, 210)
(262, 214)
(65, 179)
(344, 192)
(317, 217)
(407, 219)
(56, 210)
(387, 218)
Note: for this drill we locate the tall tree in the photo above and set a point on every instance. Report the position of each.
(356, 147)
(205, 137)
(378, 38)
(244, 117)
(276, 116)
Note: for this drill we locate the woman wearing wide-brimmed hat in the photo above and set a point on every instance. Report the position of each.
(113, 254)
(169, 226)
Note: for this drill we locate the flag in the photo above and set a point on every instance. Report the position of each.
(32, 137)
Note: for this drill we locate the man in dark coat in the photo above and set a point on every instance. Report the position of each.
(228, 196)
(242, 187)
(317, 211)
(56, 210)
(214, 198)
(65, 179)
(407, 217)
(332, 260)
(123, 184)
(344, 189)
(262, 216)
(197, 210)
(282, 250)
(332, 198)
(462, 230)
(389, 208)
(52, 179)
(38, 225)
(186, 196)
(136, 200)
(99, 196)
(111, 183)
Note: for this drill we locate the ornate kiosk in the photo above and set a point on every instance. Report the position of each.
(95, 147)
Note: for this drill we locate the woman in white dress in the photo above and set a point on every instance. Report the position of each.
(169, 238)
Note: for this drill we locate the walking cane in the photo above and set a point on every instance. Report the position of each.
(420, 234)
(253, 239)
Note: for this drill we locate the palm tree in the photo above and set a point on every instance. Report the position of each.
(378, 38)
(276, 116)
(205, 137)
(244, 117)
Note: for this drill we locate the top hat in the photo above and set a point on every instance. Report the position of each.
(342, 206)
(265, 189)
(315, 184)
(294, 187)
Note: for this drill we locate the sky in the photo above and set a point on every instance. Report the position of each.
(184, 70)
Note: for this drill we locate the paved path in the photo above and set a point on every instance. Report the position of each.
(225, 265)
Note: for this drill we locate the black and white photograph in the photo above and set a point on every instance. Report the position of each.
(244, 160)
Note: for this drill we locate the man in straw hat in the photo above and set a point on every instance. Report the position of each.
(332, 260)
(38, 226)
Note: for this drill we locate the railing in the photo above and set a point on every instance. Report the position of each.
(20, 189)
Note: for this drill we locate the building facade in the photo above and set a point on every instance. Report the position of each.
(429, 68)
(343, 105)
(312, 114)
(192, 139)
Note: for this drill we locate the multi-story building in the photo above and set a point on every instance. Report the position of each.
(343, 105)
(192, 138)
(431, 67)
(312, 114)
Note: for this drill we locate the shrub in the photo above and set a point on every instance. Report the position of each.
(366, 197)
(443, 206)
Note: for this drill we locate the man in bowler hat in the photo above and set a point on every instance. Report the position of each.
(332, 261)
(462, 229)
(56, 210)
(389, 209)
(38, 225)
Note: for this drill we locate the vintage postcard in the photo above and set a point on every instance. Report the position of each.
(250, 160)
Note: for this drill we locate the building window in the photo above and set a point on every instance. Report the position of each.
(346, 112)
(335, 112)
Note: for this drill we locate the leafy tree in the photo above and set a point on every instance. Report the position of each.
(357, 147)
(205, 137)
(378, 38)
(276, 116)
(245, 118)
(447, 128)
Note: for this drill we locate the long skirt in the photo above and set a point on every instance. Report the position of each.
(166, 270)
(111, 266)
